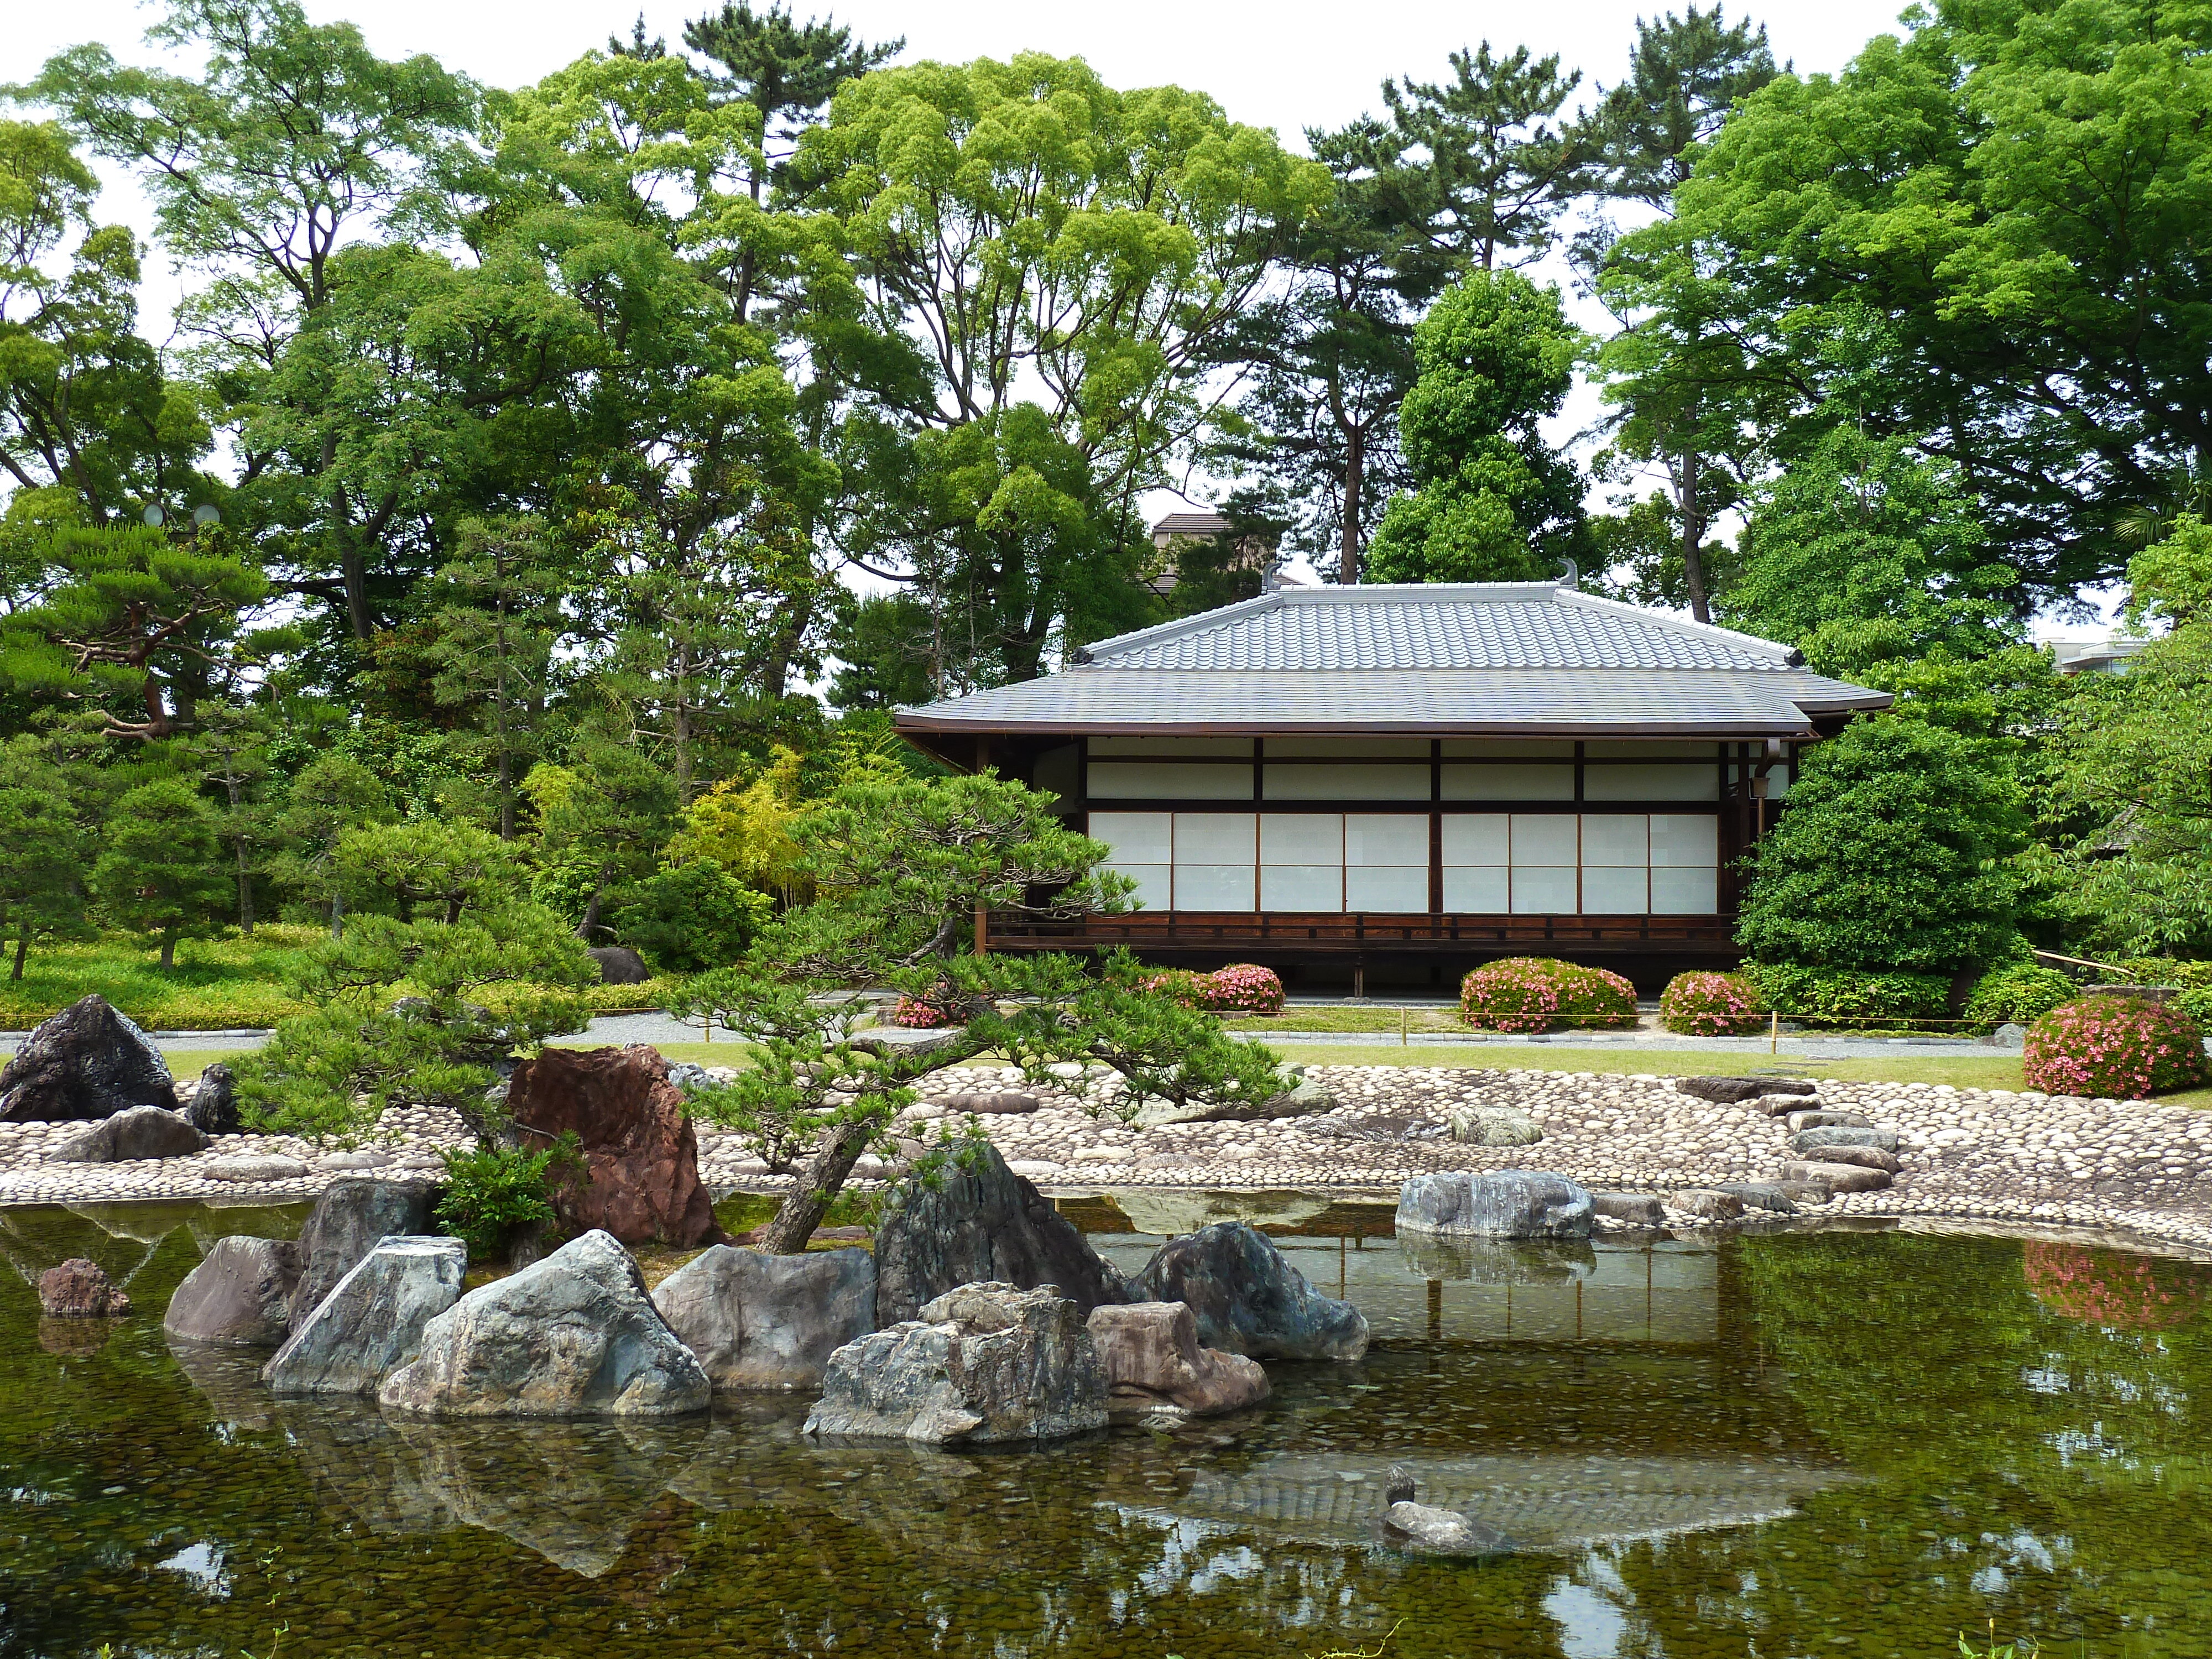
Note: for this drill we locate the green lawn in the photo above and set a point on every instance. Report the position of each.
(221, 984)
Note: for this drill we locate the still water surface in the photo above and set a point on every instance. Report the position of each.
(1779, 1444)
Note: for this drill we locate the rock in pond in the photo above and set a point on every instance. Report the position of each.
(1706, 1203)
(1637, 1209)
(572, 1335)
(87, 1061)
(1248, 1299)
(983, 1362)
(133, 1133)
(211, 1101)
(78, 1289)
(1728, 1091)
(1154, 1364)
(982, 1223)
(239, 1297)
(641, 1156)
(372, 1322)
(768, 1321)
(1510, 1204)
(1425, 1529)
(1768, 1195)
(353, 1213)
(1493, 1125)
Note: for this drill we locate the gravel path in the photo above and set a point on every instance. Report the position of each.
(1967, 1153)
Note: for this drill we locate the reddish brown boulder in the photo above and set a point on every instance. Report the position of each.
(1153, 1363)
(641, 1158)
(79, 1290)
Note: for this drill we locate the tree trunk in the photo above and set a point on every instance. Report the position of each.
(245, 891)
(590, 924)
(809, 1201)
(168, 950)
(1355, 481)
(23, 949)
(337, 915)
(1694, 539)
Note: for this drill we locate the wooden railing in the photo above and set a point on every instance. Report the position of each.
(1368, 933)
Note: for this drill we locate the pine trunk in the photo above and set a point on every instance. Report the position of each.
(818, 1184)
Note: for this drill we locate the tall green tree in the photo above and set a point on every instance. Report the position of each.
(43, 879)
(160, 871)
(331, 796)
(1685, 75)
(1495, 502)
(2012, 194)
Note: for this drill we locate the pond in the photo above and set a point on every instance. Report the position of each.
(1795, 1442)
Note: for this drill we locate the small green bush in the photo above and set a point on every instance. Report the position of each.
(492, 1191)
(2113, 1048)
(652, 993)
(1849, 996)
(1535, 994)
(2166, 970)
(1713, 1004)
(2019, 993)
(695, 917)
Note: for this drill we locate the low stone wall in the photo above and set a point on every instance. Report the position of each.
(1970, 1154)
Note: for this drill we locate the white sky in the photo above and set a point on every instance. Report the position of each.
(1286, 65)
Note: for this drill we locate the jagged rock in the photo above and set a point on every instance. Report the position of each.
(982, 1223)
(1706, 1203)
(1154, 1364)
(1248, 1299)
(250, 1166)
(574, 1335)
(1429, 1531)
(1839, 1178)
(89, 1061)
(211, 1101)
(984, 1363)
(641, 1157)
(768, 1321)
(1728, 1091)
(78, 1289)
(1812, 1190)
(619, 964)
(239, 1297)
(372, 1322)
(1510, 1204)
(1812, 1140)
(1641, 1209)
(352, 1214)
(133, 1133)
(1493, 1125)
(1769, 1196)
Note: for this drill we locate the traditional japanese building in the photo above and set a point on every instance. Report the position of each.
(1411, 778)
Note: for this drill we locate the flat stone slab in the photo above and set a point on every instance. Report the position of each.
(1706, 1204)
(1769, 1196)
(1730, 1090)
(1639, 1209)
(251, 1168)
(1810, 1140)
(1839, 1178)
(1799, 1121)
(1492, 1125)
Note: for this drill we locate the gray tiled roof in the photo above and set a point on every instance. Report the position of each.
(1499, 625)
(1520, 658)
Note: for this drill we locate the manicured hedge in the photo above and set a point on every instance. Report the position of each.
(2117, 1048)
(1714, 1005)
(1537, 993)
(1851, 997)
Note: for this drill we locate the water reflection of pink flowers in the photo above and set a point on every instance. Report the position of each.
(2110, 1289)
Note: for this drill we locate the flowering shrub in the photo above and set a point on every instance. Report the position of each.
(918, 1013)
(1533, 993)
(2107, 1289)
(2017, 993)
(1713, 1004)
(1242, 988)
(2116, 1047)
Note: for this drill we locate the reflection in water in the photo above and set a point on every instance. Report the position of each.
(1709, 1448)
(1497, 1262)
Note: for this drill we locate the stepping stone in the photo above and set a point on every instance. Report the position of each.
(1706, 1203)
(1798, 1121)
(1810, 1140)
(250, 1169)
(1640, 1209)
(991, 1103)
(1839, 1178)
(1763, 1195)
(1729, 1090)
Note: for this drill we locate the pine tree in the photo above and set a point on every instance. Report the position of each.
(160, 865)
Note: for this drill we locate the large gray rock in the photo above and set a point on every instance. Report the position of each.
(768, 1321)
(1425, 1529)
(1727, 1091)
(574, 1335)
(352, 1215)
(1510, 1204)
(1839, 1178)
(1810, 1140)
(618, 964)
(87, 1061)
(1155, 1366)
(133, 1133)
(372, 1322)
(211, 1101)
(1864, 1157)
(1638, 1209)
(982, 1223)
(1248, 1299)
(239, 1297)
(983, 1362)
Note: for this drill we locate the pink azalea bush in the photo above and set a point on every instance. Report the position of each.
(1242, 988)
(918, 1014)
(2119, 1048)
(1714, 1005)
(1534, 994)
